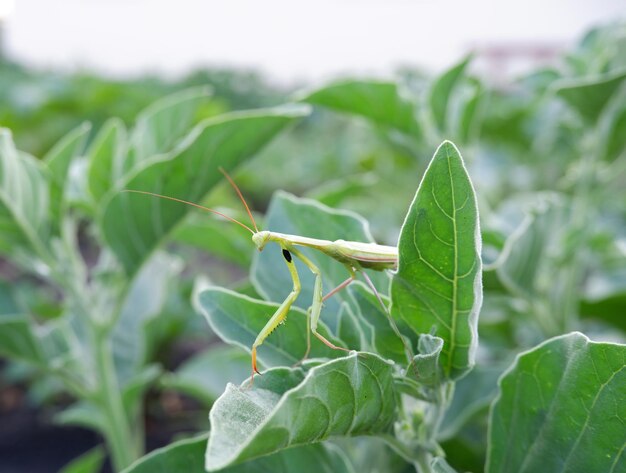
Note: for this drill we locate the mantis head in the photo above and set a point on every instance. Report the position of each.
(260, 239)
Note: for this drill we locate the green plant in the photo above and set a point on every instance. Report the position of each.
(547, 160)
(65, 222)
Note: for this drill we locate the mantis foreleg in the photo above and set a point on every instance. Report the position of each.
(281, 313)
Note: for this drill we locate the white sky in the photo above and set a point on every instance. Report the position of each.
(287, 39)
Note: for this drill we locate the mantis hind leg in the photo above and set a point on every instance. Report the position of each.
(281, 313)
(313, 313)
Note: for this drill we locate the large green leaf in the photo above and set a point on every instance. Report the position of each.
(188, 456)
(348, 396)
(135, 225)
(105, 153)
(562, 407)
(291, 215)
(441, 92)
(383, 103)
(589, 96)
(238, 319)
(165, 122)
(438, 284)
(23, 199)
(58, 161)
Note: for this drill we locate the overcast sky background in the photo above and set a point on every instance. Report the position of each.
(289, 40)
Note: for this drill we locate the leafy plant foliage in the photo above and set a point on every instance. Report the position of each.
(515, 233)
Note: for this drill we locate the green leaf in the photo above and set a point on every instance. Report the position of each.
(562, 407)
(58, 161)
(442, 90)
(612, 128)
(426, 364)
(18, 340)
(145, 300)
(238, 319)
(348, 396)
(105, 154)
(382, 338)
(229, 242)
(383, 103)
(437, 288)
(291, 215)
(89, 462)
(23, 199)
(135, 225)
(165, 122)
(472, 394)
(188, 456)
(205, 375)
(589, 96)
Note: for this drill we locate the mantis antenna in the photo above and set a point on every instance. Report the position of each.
(194, 205)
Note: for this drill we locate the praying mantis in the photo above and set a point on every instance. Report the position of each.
(354, 256)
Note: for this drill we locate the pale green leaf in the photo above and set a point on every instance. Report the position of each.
(188, 456)
(229, 242)
(58, 161)
(561, 407)
(383, 103)
(589, 95)
(135, 225)
(348, 396)
(145, 300)
(24, 199)
(205, 375)
(437, 288)
(441, 91)
(107, 149)
(162, 124)
(426, 366)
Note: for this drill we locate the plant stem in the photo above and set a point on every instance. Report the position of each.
(118, 433)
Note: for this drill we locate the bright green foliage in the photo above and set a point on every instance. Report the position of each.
(349, 396)
(561, 407)
(438, 284)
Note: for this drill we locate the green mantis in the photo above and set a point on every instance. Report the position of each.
(354, 256)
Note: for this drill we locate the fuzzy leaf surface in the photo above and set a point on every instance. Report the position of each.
(188, 456)
(348, 396)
